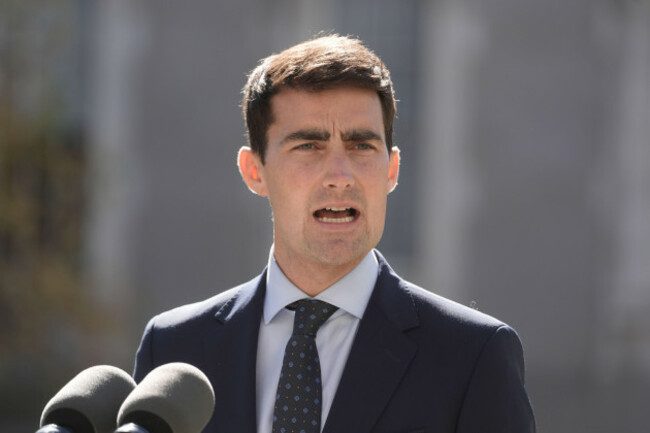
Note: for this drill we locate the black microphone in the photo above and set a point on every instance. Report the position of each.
(173, 398)
(88, 403)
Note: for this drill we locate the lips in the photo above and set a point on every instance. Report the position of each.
(336, 215)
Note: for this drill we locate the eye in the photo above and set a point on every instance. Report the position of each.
(363, 146)
(305, 146)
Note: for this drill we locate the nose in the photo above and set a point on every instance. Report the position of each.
(338, 172)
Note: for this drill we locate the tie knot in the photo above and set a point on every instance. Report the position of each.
(310, 315)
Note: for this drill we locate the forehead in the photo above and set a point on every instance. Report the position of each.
(335, 110)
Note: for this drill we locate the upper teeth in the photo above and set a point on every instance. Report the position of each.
(337, 209)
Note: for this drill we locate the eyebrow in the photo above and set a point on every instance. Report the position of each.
(322, 135)
(307, 135)
(360, 135)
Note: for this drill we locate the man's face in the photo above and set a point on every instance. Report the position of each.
(327, 174)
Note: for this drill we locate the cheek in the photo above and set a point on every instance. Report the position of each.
(377, 200)
(379, 184)
(287, 203)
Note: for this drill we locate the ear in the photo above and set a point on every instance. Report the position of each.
(250, 167)
(393, 168)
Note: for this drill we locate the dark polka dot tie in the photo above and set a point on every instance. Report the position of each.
(298, 402)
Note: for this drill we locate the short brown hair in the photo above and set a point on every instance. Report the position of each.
(318, 64)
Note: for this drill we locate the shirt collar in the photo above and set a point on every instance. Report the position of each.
(351, 293)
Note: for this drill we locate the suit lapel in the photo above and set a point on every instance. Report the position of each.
(230, 348)
(378, 359)
(377, 362)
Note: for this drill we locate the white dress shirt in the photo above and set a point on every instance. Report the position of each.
(334, 339)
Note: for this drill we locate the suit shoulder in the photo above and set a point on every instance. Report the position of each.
(418, 306)
(429, 303)
(448, 324)
(178, 335)
(207, 308)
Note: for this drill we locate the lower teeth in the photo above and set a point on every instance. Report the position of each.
(336, 220)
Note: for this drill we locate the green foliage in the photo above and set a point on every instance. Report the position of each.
(41, 199)
(46, 316)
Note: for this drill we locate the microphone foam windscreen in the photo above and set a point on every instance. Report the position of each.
(90, 401)
(177, 394)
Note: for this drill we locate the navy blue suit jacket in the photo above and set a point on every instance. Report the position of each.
(419, 363)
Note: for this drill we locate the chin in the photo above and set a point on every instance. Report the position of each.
(340, 253)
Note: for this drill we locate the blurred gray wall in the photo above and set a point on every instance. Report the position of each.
(525, 184)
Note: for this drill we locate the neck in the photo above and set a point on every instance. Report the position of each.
(313, 278)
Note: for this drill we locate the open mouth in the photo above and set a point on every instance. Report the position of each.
(337, 215)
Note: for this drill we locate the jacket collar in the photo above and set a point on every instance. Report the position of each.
(390, 312)
(391, 295)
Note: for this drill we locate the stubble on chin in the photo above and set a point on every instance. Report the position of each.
(341, 252)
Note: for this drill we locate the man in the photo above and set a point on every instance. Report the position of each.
(388, 356)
